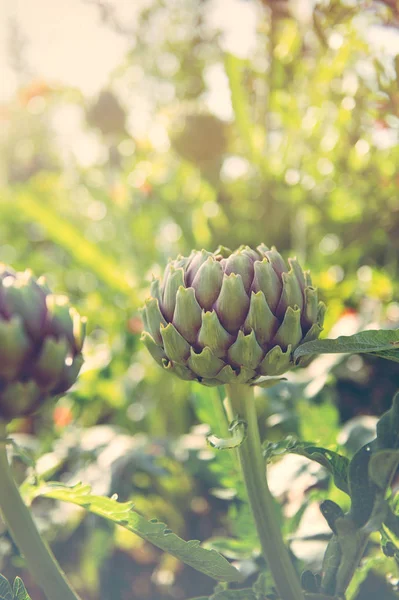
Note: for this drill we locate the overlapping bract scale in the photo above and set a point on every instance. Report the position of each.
(41, 339)
(227, 317)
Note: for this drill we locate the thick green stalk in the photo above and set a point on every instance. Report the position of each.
(261, 501)
(17, 516)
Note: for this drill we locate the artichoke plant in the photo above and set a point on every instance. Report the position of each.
(41, 338)
(231, 317)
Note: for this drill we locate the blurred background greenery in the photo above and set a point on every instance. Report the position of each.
(131, 132)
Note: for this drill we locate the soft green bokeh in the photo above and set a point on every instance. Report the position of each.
(305, 157)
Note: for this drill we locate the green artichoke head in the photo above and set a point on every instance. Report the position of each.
(226, 317)
(41, 339)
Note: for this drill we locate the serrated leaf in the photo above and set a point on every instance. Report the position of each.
(208, 562)
(5, 589)
(380, 341)
(19, 590)
(233, 548)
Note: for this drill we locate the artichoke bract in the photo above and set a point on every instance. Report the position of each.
(41, 339)
(226, 317)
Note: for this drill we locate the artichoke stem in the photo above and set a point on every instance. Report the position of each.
(17, 516)
(242, 401)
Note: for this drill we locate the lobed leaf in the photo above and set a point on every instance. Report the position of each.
(208, 562)
(382, 342)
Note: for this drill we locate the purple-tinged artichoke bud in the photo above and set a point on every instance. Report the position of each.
(41, 339)
(228, 317)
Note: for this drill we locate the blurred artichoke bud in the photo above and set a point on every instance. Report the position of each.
(41, 339)
(107, 114)
(228, 317)
(199, 137)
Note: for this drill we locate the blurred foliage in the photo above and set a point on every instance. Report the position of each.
(195, 142)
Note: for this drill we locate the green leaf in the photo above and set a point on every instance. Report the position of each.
(33, 207)
(388, 355)
(122, 513)
(335, 463)
(269, 382)
(380, 341)
(388, 427)
(231, 547)
(318, 596)
(238, 430)
(19, 590)
(234, 67)
(264, 585)
(246, 594)
(382, 466)
(208, 407)
(5, 589)
(362, 490)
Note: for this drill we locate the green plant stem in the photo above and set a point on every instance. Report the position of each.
(242, 402)
(17, 516)
(349, 565)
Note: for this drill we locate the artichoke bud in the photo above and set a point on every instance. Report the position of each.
(261, 319)
(291, 294)
(155, 289)
(41, 339)
(197, 260)
(59, 319)
(214, 335)
(187, 315)
(240, 264)
(50, 364)
(25, 297)
(174, 281)
(245, 351)
(277, 261)
(154, 349)
(207, 283)
(222, 252)
(231, 317)
(176, 347)
(205, 364)
(267, 281)
(154, 319)
(233, 303)
(14, 347)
